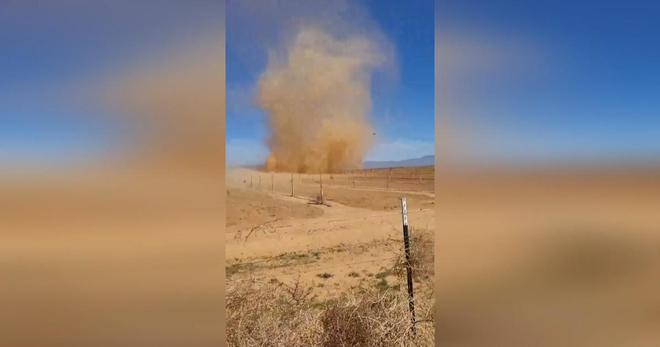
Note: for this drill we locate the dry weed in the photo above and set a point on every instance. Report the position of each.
(270, 315)
(421, 256)
(276, 314)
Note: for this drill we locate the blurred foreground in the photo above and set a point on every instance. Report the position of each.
(112, 258)
(112, 174)
(548, 257)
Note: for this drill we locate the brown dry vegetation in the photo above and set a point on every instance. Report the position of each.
(279, 314)
(328, 277)
(421, 256)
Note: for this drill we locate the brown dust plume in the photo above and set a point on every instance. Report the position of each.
(317, 98)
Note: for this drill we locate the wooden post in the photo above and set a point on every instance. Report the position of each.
(250, 181)
(272, 182)
(406, 247)
(292, 184)
(259, 181)
(321, 186)
(389, 173)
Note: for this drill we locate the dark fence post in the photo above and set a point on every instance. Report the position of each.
(321, 186)
(406, 247)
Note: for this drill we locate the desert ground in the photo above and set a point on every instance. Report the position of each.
(351, 240)
(548, 257)
(541, 256)
(345, 250)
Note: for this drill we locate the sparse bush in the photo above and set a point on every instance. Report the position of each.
(383, 274)
(382, 284)
(372, 318)
(325, 275)
(421, 256)
(268, 314)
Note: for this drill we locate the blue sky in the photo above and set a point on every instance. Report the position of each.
(52, 51)
(521, 81)
(557, 81)
(402, 99)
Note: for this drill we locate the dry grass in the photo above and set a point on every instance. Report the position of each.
(421, 256)
(277, 314)
(373, 318)
(272, 314)
(360, 301)
(280, 314)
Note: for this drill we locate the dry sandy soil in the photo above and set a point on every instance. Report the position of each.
(547, 258)
(540, 256)
(350, 241)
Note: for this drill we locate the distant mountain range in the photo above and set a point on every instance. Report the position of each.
(426, 160)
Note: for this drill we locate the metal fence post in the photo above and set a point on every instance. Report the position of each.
(406, 246)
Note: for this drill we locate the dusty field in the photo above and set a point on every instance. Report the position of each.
(543, 259)
(343, 256)
(524, 257)
(350, 242)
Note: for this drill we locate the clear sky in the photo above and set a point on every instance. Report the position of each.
(521, 81)
(552, 80)
(50, 51)
(402, 101)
